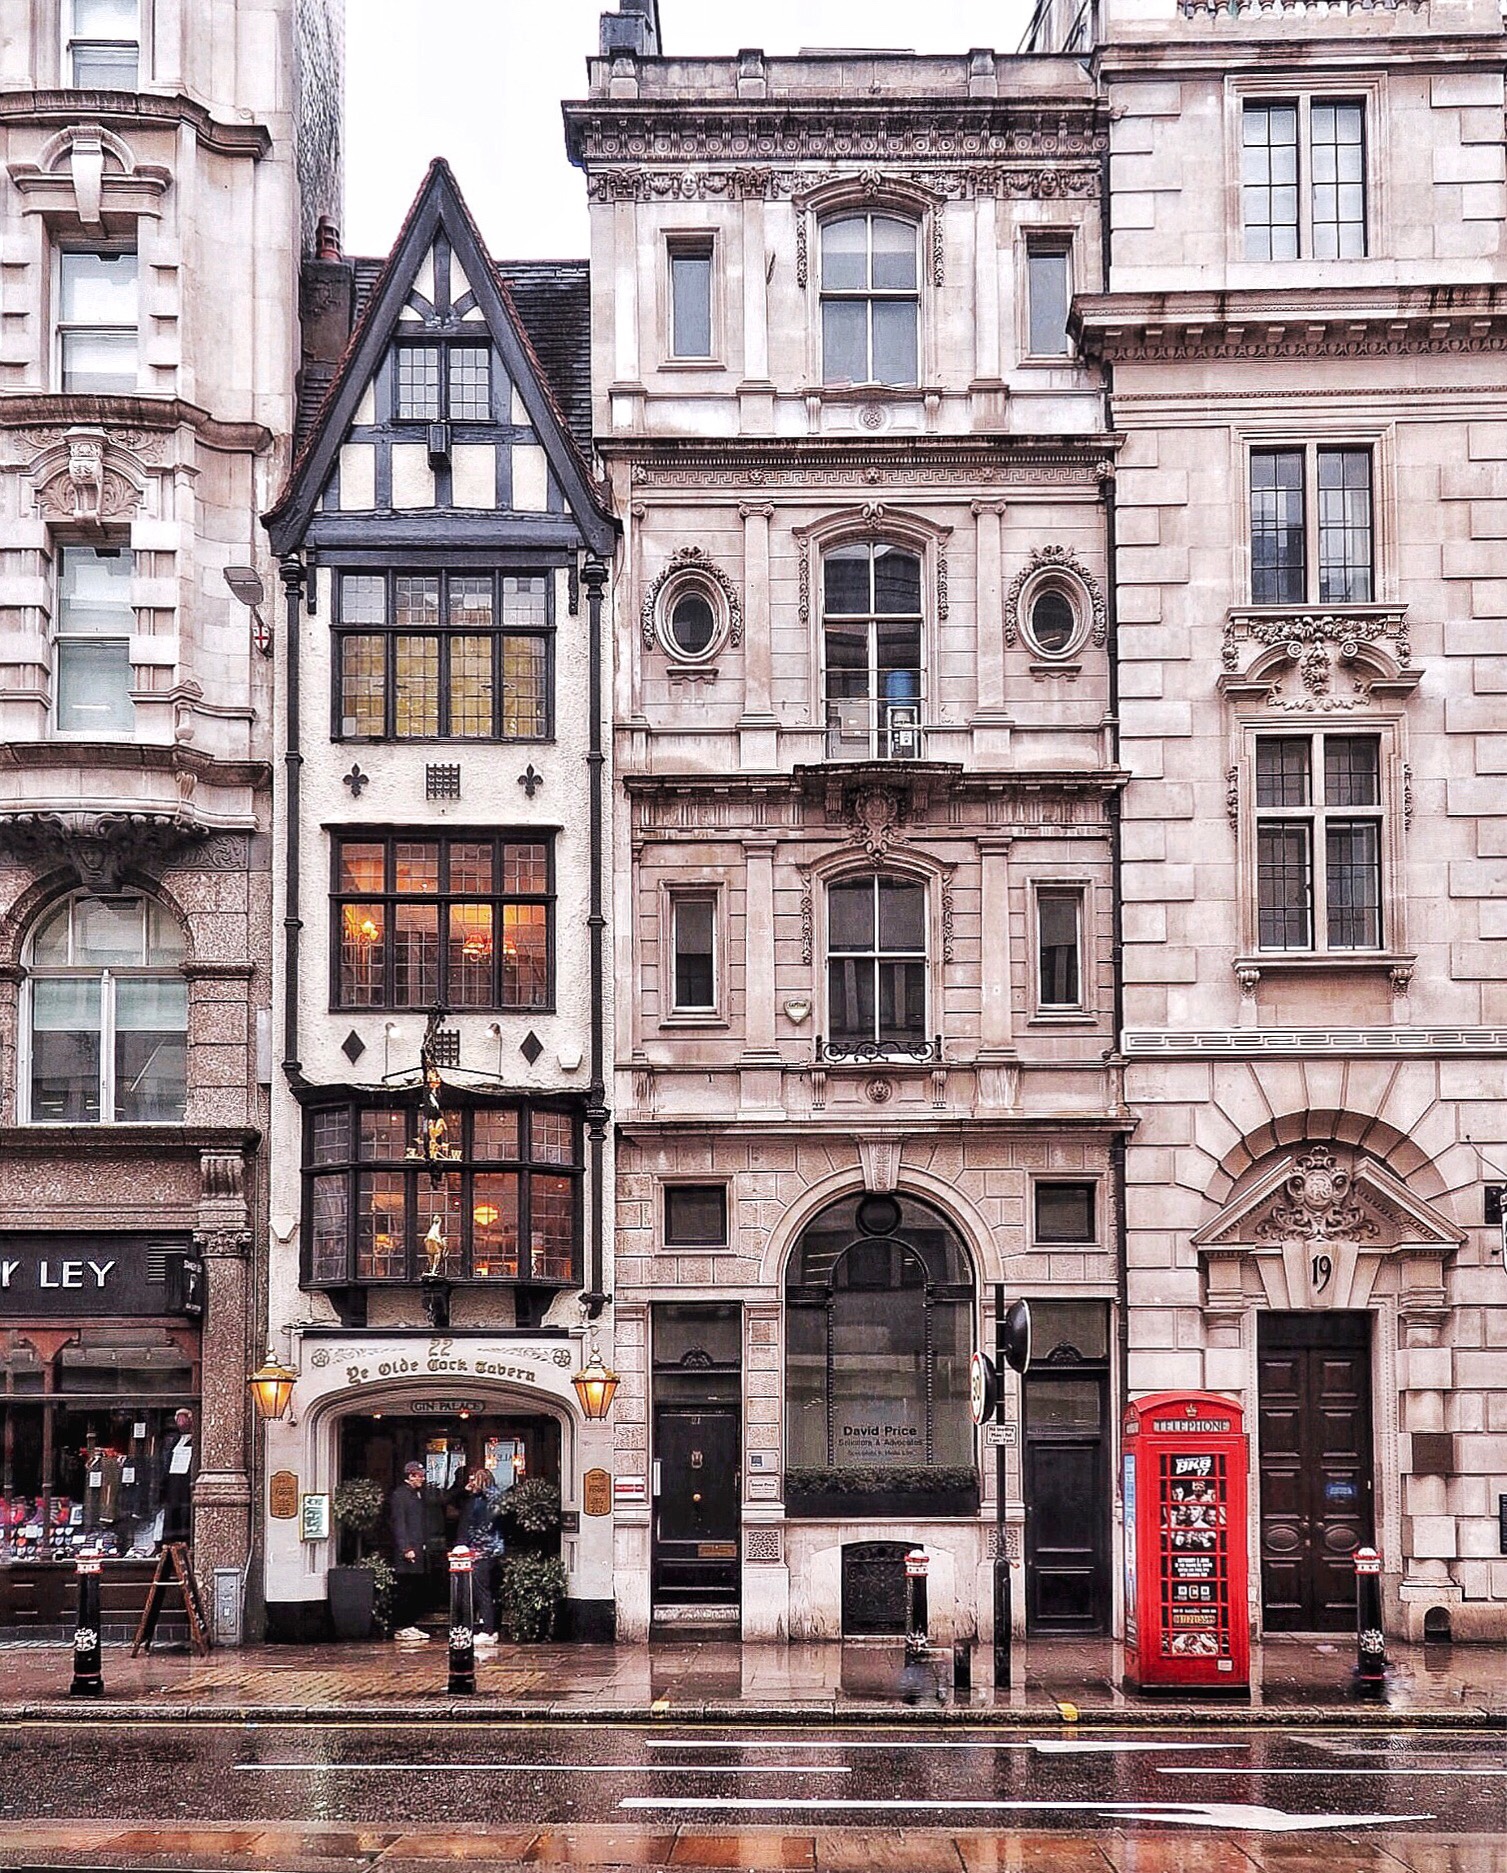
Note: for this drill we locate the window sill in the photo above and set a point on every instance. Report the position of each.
(680, 365)
(1250, 969)
(1064, 1018)
(707, 1020)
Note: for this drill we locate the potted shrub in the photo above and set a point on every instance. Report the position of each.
(532, 1508)
(533, 1585)
(357, 1508)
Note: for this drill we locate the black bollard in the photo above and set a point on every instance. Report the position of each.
(462, 1639)
(88, 1678)
(962, 1667)
(1370, 1639)
(917, 1618)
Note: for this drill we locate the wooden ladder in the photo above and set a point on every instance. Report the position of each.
(175, 1568)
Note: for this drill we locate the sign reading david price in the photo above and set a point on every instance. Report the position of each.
(64, 1274)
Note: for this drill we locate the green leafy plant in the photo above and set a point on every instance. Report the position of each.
(879, 1480)
(357, 1507)
(533, 1505)
(384, 1586)
(533, 1585)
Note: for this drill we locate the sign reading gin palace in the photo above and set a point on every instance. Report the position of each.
(46, 1274)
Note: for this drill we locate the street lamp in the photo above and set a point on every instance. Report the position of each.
(271, 1387)
(596, 1385)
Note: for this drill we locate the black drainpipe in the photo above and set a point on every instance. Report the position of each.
(594, 577)
(293, 578)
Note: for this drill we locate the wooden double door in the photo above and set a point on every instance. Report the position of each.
(1314, 1432)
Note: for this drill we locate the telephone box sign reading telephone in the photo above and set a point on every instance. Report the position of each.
(1187, 1622)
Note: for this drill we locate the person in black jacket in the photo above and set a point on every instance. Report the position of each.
(406, 1519)
(479, 1532)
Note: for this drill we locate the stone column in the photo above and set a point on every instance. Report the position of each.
(757, 732)
(760, 1078)
(989, 608)
(766, 1570)
(222, 1491)
(997, 1082)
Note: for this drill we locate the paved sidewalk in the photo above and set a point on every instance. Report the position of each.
(1294, 1681)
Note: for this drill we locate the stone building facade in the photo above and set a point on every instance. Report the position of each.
(1303, 336)
(149, 242)
(865, 785)
(441, 1209)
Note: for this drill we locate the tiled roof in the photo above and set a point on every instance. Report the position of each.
(553, 299)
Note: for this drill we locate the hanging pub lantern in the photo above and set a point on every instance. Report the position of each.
(271, 1387)
(596, 1386)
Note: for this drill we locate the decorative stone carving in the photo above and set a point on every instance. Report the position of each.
(685, 560)
(1063, 560)
(223, 1244)
(808, 919)
(1232, 795)
(1319, 645)
(876, 814)
(1317, 1205)
(222, 1177)
(1041, 181)
(947, 917)
(77, 481)
(100, 847)
(880, 1161)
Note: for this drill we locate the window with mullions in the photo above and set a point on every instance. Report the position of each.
(871, 652)
(876, 965)
(103, 49)
(509, 1206)
(1311, 550)
(440, 383)
(1303, 179)
(1318, 842)
(870, 298)
(460, 922)
(437, 656)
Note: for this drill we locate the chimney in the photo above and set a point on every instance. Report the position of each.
(633, 29)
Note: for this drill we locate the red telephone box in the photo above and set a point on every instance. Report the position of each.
(1187, 1623)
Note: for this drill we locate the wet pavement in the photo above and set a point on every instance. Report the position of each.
(412, 1797)
(1293, 1681)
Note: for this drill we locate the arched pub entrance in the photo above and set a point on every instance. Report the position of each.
(451, 1437)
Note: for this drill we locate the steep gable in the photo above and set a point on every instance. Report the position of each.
(441, 405)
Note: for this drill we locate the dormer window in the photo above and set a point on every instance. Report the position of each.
(103, 45)
(870, 295)
(443, 383)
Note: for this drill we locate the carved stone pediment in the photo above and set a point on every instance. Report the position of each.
(1314, 1231)
(1321, 662)
(85, 477)
(102, 848)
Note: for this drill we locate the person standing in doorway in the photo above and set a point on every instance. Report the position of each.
(178, 1467)
(406, 1520)
(479, 1532)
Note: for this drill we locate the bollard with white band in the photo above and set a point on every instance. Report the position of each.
(88, 1676)
(462, 1638)
(1370, 1638)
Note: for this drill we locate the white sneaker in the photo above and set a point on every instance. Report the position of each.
(484, 1641)
(411, 1635)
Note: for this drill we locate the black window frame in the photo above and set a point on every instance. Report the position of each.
(444, 347)
(442, 898)
(444, 632)
(673, 1238)
(420, 1195)
(1304, 517)
(1044, 1240)
(1306, 823)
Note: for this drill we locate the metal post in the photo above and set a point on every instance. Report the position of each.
(88, 1679)
(917, 1619)
(1370, 1638)
(1004, 1611)
(462, 1639)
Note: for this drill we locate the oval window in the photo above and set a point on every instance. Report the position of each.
(693, 624)
(1053, 623)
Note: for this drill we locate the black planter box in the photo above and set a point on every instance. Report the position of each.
(832, 1502)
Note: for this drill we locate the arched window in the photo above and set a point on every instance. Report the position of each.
(108, 1014)
(879, 1330)
(870, 300)
(876, 966)
(871, 652)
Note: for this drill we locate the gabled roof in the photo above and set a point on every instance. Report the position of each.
(440, 208)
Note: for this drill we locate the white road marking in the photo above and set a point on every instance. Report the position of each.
(1221, 1814)
(1328, 1772)
(1044, 1746)
(539, 1768)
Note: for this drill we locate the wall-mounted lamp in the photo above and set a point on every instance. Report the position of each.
(245, 583)
(596, 1386)
(271, 1387)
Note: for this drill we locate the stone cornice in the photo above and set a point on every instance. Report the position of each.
(1207, 48)
(903, 776)
(131, 1140)
(1337, 322)
(956, 463)
(124, 756)
(52, 412)
(126, 110)
(958, 142)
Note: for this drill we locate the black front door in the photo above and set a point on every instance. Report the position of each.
(696, 1506)
(1316, 1472)
(1067, 1503)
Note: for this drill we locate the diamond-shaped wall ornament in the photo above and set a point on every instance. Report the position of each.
(531, 1047)
(353, 1047)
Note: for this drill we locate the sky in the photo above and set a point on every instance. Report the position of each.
(480, 82)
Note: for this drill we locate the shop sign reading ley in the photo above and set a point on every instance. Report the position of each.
(57, 1273)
